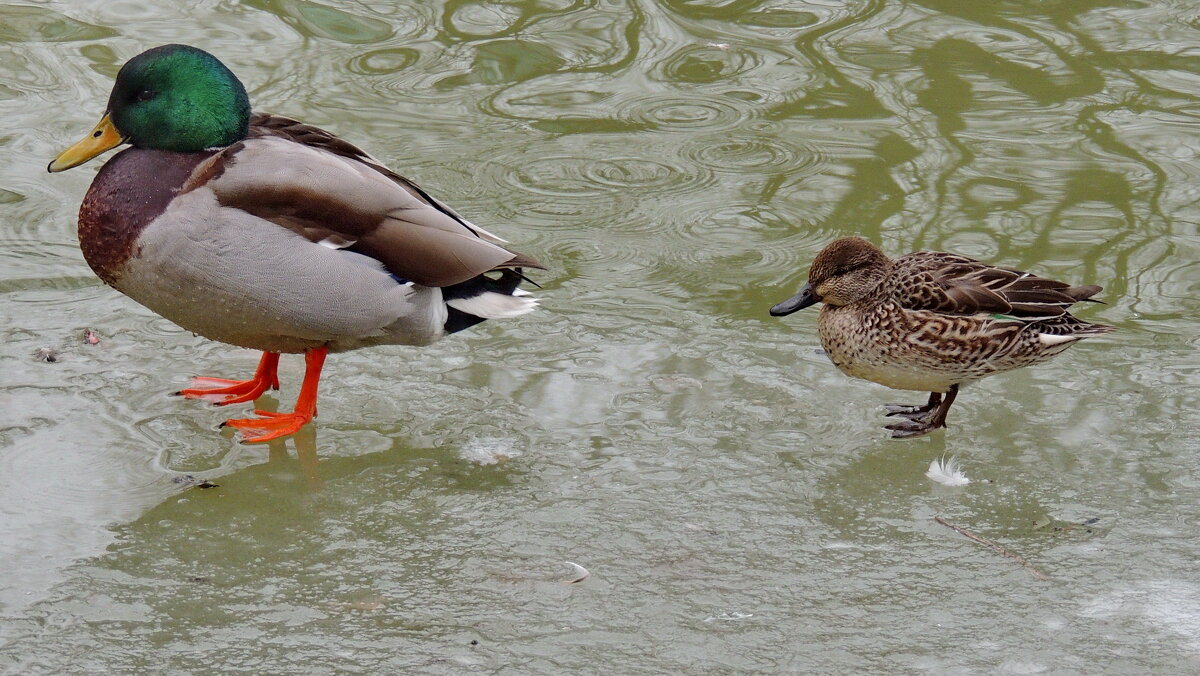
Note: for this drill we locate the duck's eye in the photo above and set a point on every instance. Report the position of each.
(145, 95)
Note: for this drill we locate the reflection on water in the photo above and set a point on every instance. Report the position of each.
(677, 165)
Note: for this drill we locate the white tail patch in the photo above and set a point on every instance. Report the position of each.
(492, 305)
(1049, 339)
(337, 242)
(947, 472)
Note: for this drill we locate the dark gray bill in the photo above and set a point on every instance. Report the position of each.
(799, 301)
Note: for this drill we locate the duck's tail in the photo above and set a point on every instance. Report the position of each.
(484, 297)
(1066, 329)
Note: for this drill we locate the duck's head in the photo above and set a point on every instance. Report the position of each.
(845, 271)
(173, 97)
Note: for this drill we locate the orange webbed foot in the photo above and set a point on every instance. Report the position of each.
(223, 392)
(271, 425)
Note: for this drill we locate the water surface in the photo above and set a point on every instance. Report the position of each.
(677, 165)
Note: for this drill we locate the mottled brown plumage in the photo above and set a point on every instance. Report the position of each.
(933, 321)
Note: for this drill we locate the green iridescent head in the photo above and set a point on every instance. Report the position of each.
(173, 97)
(177, 97)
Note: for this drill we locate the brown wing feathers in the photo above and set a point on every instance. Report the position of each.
(266, 124)
(969, 287)
(390, 219)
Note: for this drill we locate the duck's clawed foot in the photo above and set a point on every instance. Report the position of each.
(913, 427)
(223, 392)
(269, 425)
(914, 412)
(910, 412)
(920, 420)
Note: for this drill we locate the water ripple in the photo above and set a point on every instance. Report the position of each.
(384, 61)
(680, 113)
(707, 63)
(567, 102)
(313, 19)
(20, 23)
(754, 153)
(640, 173)
(545, 185)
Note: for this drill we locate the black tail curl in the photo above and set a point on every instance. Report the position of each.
(509, 281)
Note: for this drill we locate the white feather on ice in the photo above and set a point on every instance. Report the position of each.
(947, 472)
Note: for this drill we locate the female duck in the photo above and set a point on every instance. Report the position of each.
(933, 321)
(265, 233)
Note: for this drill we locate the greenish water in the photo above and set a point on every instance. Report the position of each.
(677, 165)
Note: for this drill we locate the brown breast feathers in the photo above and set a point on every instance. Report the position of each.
(130, 191)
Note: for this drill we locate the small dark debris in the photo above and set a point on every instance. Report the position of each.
(1091, 521)
(474, 642)
(46, 354)
(199, 578)
(188, 479)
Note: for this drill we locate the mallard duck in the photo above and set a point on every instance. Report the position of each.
(934, 321)
(266, 233)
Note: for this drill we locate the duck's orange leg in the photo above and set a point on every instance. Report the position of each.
(221, 391)
(270, 425)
